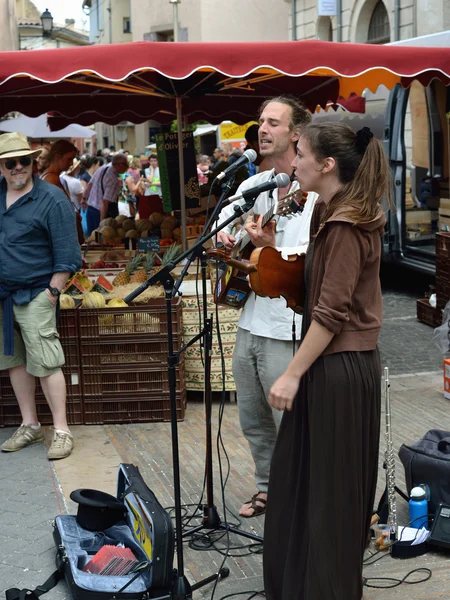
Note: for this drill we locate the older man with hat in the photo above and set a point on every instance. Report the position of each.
(38, 253)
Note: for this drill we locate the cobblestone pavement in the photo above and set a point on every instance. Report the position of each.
(33, 491)
(30, 494)
(406, 344)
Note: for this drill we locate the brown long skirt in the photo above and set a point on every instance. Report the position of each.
(323, 480)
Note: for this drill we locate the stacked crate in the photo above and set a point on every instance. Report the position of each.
(9, 408)
(442, 273)
(124, 363)
(116, 367)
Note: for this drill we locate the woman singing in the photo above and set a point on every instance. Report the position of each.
(324, 467)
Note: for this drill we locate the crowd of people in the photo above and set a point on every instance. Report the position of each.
(308, 386)
(102, 185)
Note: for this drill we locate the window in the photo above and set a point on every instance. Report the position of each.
(325, 29)
(379, 29)
(126, 25)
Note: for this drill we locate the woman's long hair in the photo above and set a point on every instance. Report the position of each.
(59, 148)
(362, 168)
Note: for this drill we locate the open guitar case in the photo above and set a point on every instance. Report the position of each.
(144, 527)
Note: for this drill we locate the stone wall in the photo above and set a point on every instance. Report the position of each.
(356, 15)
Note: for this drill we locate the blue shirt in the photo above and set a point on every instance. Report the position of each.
(38, 237)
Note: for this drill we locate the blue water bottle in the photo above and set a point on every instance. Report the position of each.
(418, 508)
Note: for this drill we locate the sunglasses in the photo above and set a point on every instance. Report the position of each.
(25, 161)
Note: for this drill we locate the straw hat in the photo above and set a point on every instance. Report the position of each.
(72, 168)
(16, 144)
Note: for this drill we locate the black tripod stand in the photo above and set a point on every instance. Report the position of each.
(181, 589)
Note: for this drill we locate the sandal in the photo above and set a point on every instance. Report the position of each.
(257, 508)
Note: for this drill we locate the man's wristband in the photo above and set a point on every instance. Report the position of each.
(54, 291)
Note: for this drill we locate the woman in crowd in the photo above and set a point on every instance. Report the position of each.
(42, 160)
(60, 159)
(89, 166)
(203, 168)
(325, 464)
(151, 201)
(73, 184)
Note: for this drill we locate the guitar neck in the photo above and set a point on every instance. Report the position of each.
(246, 238)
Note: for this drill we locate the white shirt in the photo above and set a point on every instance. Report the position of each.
(74, 187)
(270, 317)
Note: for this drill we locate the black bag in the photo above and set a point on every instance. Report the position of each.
(428, 461)
(147, 529)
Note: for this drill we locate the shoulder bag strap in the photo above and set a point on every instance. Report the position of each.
(16, 594)
(101, 181)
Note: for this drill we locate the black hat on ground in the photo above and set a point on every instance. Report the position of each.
(97, 510)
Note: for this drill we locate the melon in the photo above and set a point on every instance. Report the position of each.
(132, 233)
(120, 232)
(110, 222)
(66, 301)
(108, 233)
(128, 224)
(143, 224)
(169, 223)
(166, 233)
(117, 302)
(144, 234)
(121, 218)
(93, 300)
(102, 285)
(156, 218)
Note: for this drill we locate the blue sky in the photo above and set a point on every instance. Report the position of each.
(64, 9)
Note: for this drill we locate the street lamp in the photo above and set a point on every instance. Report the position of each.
(175, 18)
(47, 22)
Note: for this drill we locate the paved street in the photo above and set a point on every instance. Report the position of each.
(33, 491)
(406, 344)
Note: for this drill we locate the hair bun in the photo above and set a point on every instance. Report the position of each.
(363, 137)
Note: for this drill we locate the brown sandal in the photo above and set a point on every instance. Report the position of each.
(257, 509)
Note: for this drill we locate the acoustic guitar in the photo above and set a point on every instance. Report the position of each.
(232, 288)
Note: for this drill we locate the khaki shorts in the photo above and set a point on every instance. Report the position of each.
(36, 340)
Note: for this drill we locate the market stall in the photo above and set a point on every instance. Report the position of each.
(148, 80)
(151, 80)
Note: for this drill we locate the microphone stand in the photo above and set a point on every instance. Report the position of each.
(181, 588)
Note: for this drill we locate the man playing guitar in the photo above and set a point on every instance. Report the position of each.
(264, 345)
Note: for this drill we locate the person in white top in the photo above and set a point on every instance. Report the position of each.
(264, 343)
(72, 184)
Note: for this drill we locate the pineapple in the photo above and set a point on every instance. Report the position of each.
(124, 277)
(142, 275)
(170, 255)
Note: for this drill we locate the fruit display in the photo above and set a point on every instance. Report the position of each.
(125, 276)
(170, 255)
(66, 302)
(102, 285)
(93, 300)
(116, 303)
(78, 284)
(143, 274)
(115, 231)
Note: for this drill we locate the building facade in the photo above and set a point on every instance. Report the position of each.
(208, 21)
(110, 23)
(9, 36)
(368, 21)
(31, 36)
(109, 20)
(211, 21)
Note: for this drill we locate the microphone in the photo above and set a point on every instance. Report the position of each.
(279, 181)
(249, 156)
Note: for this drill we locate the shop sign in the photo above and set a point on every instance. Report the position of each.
(148, 244)
(167, 150)
(327, 8)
